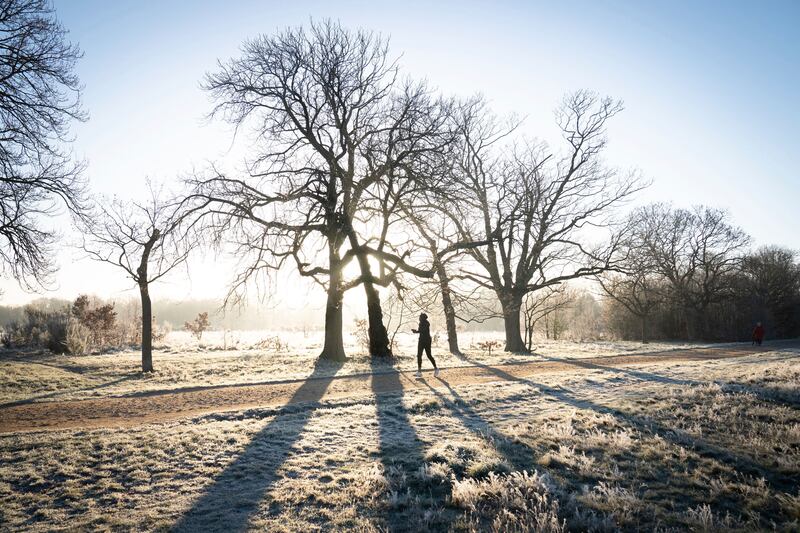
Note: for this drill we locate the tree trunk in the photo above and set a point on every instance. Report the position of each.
(147, 329)
(378, 336)
(333, 349)
(511, 319)
(644, 329)
(447, 307)
(528, 334)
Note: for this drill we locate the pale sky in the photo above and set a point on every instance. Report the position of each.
(710, 90)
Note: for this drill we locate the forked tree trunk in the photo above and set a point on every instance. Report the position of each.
(447, 307)
(147, 329)
(378, 336)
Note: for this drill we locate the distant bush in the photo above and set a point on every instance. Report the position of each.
(486, 346)
(198, 325)
(100, 322)
(83, 326)
(274, 343)
(79, 338)
(41, 328)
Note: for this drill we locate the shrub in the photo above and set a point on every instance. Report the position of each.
(99, 322)
(273, 343)
(198, 326)
(78, 339)
(486, 346)
(43, 328)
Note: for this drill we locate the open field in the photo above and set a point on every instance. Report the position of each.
(248, 357)
(670, 445)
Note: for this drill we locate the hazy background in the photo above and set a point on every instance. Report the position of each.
(710, 95)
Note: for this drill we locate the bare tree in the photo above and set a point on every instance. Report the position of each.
(533, 206)
(444, 251)
(637, 290)
(697, 251)
(772, 282)
(332, 123)
(143, 240)
(636, 285)
(541, 305)
(39, 99)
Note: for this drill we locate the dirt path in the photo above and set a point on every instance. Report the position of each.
(171, 405)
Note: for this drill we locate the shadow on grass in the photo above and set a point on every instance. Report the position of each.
(638, 374)
(402, 454)
(56, 394)
(659, 378)
(518, 455)
(236, 493)
(738, 462)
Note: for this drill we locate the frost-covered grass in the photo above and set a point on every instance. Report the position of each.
(224, 358)
(701, 445)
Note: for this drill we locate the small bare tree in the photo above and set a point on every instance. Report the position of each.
(39, 100)
(541, 305)
(142, 239)
(637, 285)
(197, 326)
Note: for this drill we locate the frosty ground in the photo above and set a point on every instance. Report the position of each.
(706, 445)
(224, 358)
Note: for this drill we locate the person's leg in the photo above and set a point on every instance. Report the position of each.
(428, 353)
(419, 356)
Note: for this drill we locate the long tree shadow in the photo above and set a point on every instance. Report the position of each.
(659, 378)
(517, 454)
(743, 464)
(236, 493)
(402, 454)
(56, 394)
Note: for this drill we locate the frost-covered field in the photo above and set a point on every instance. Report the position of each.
(702, 445)
(248, 357)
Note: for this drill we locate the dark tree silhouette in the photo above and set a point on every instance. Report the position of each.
(772, 282)
(332, 123)
(697, 251)
(39, 99)
(637, 290)
(143, 240)
(636, 285)
(534, 205)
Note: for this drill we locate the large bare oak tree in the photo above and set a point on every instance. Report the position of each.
(332, 122)
(533, 205)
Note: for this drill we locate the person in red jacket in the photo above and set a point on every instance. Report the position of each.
(758, 334)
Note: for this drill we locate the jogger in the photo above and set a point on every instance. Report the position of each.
(424, 344)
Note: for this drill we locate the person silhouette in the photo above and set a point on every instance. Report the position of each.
(424, 344)
(758, 334)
